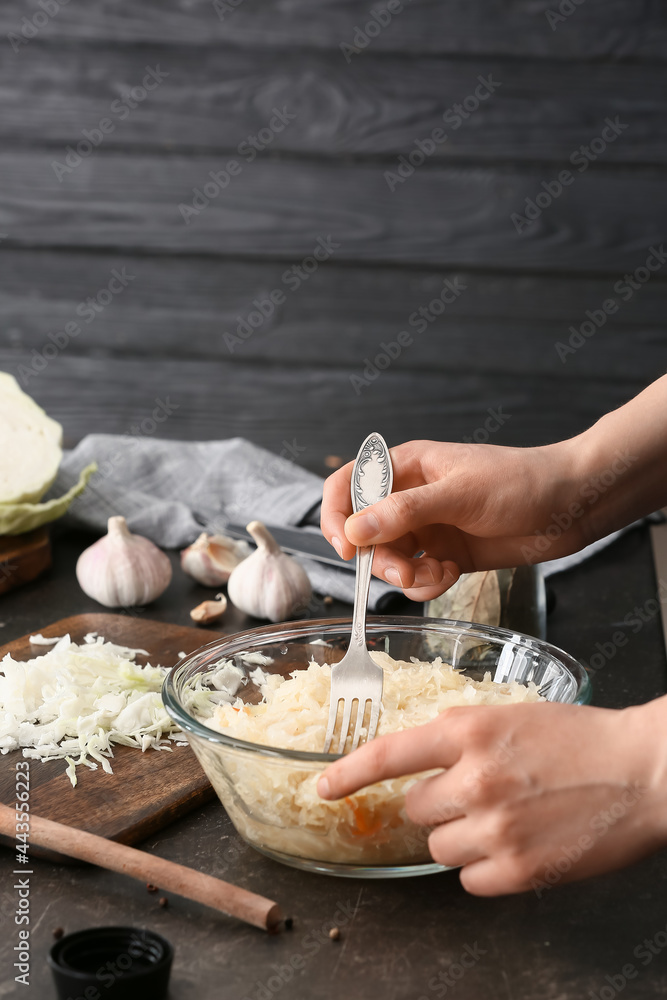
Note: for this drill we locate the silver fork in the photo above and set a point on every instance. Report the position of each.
(356, 677)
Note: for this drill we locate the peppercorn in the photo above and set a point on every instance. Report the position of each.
(58, 933)
(163, 901)
(334, 934)
(150, 887)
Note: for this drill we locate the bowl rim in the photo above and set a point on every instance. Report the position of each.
(287, 630)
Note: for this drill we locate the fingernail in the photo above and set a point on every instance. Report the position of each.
(323, 789)
(366, 525)
(335, 541)
(392, 576)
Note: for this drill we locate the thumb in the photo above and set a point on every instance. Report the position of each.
(396, 515)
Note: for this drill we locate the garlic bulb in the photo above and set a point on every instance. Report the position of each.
(211, 558)
(269, 583)
(208, 611)
(122, 570)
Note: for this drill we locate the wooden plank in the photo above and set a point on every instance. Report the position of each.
(618, 28)
(147, 790)
(318, 408)
(183, 307)
(188, 290)
(445, 216)
(212, 100)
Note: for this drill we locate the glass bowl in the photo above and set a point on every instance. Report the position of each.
(269, 792)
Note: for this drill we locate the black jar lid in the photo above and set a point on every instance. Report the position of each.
(110, 963)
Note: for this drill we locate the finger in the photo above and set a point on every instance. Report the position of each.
(336, 499)
(405, 571)
(397, 514)
(336, 508)
(451, 573)
(393, 554)
(407, 752)
(434, 800)
(501, 875)
(452, 844)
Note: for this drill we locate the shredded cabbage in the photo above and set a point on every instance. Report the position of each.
(294, 711)
(75, 702)
(274, 802)
(39, 640)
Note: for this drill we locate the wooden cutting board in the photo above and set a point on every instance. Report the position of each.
(23, 557)
(147, 790)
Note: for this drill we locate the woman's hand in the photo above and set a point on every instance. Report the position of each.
(532, 794)
(479, 506)
(467, 507)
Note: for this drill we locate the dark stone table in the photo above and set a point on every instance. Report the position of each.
(396, 936)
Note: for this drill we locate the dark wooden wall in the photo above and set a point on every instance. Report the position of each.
(324, 176)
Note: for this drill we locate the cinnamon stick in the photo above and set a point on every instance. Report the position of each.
(187, 882)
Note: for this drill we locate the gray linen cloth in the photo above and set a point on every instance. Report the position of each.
(554, 566)
(170, 491)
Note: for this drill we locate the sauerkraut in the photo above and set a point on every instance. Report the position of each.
(273, 801)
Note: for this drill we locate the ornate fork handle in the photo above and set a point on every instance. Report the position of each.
(372, 476)
(362, 586)
(372, 480)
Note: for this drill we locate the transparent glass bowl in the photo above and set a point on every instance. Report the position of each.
(268, 791)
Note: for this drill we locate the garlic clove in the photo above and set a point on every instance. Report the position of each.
(122, 570)
(211, 558)
(269, 583)
(208, 611)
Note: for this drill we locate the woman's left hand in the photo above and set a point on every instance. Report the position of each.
(532, 794)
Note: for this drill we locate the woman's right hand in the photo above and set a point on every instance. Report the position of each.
(468, 507)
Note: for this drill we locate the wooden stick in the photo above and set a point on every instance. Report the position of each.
(187, 882)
